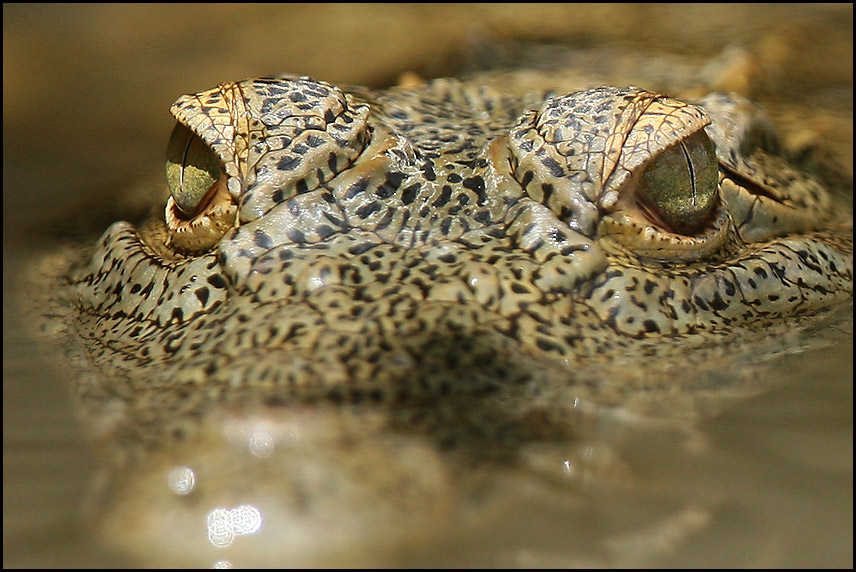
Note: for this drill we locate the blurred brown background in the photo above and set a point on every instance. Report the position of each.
(86, 88)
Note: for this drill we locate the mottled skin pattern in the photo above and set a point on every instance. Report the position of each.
(445, 238)
(358, 225)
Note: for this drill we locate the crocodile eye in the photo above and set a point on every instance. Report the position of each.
(678, 188)
(192, 169)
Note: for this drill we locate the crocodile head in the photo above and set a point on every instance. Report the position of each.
(411, 246)
(331, 242)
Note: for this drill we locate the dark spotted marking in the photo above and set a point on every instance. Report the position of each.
(262, 240)
(202, 295)
(366, 211)
(357, 188)
(445, 195)
(408, 195)
(295, 235)
(289, 163)
(477, 185)
(362, 247)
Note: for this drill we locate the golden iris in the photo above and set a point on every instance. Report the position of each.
(679, 186)
(192, 168)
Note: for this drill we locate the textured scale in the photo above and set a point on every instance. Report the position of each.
(361, 213)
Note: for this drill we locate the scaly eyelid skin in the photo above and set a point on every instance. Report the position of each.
(202, 206)
(758, 194)
(668, 209)
(579, 153)
(623, 163)
(615, 162)
(242, 148)
(631, 228)
(765, 195)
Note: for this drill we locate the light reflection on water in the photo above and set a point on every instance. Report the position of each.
(225, 524)
(181, 480)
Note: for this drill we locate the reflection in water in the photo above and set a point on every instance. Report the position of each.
(661, 539)
(181, 480)
(225, 524)
(262, 444)
(261, 436)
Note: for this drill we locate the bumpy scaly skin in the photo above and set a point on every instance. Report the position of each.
(382, 238)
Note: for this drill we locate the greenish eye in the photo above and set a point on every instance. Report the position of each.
(679, 187)
(192, 168)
